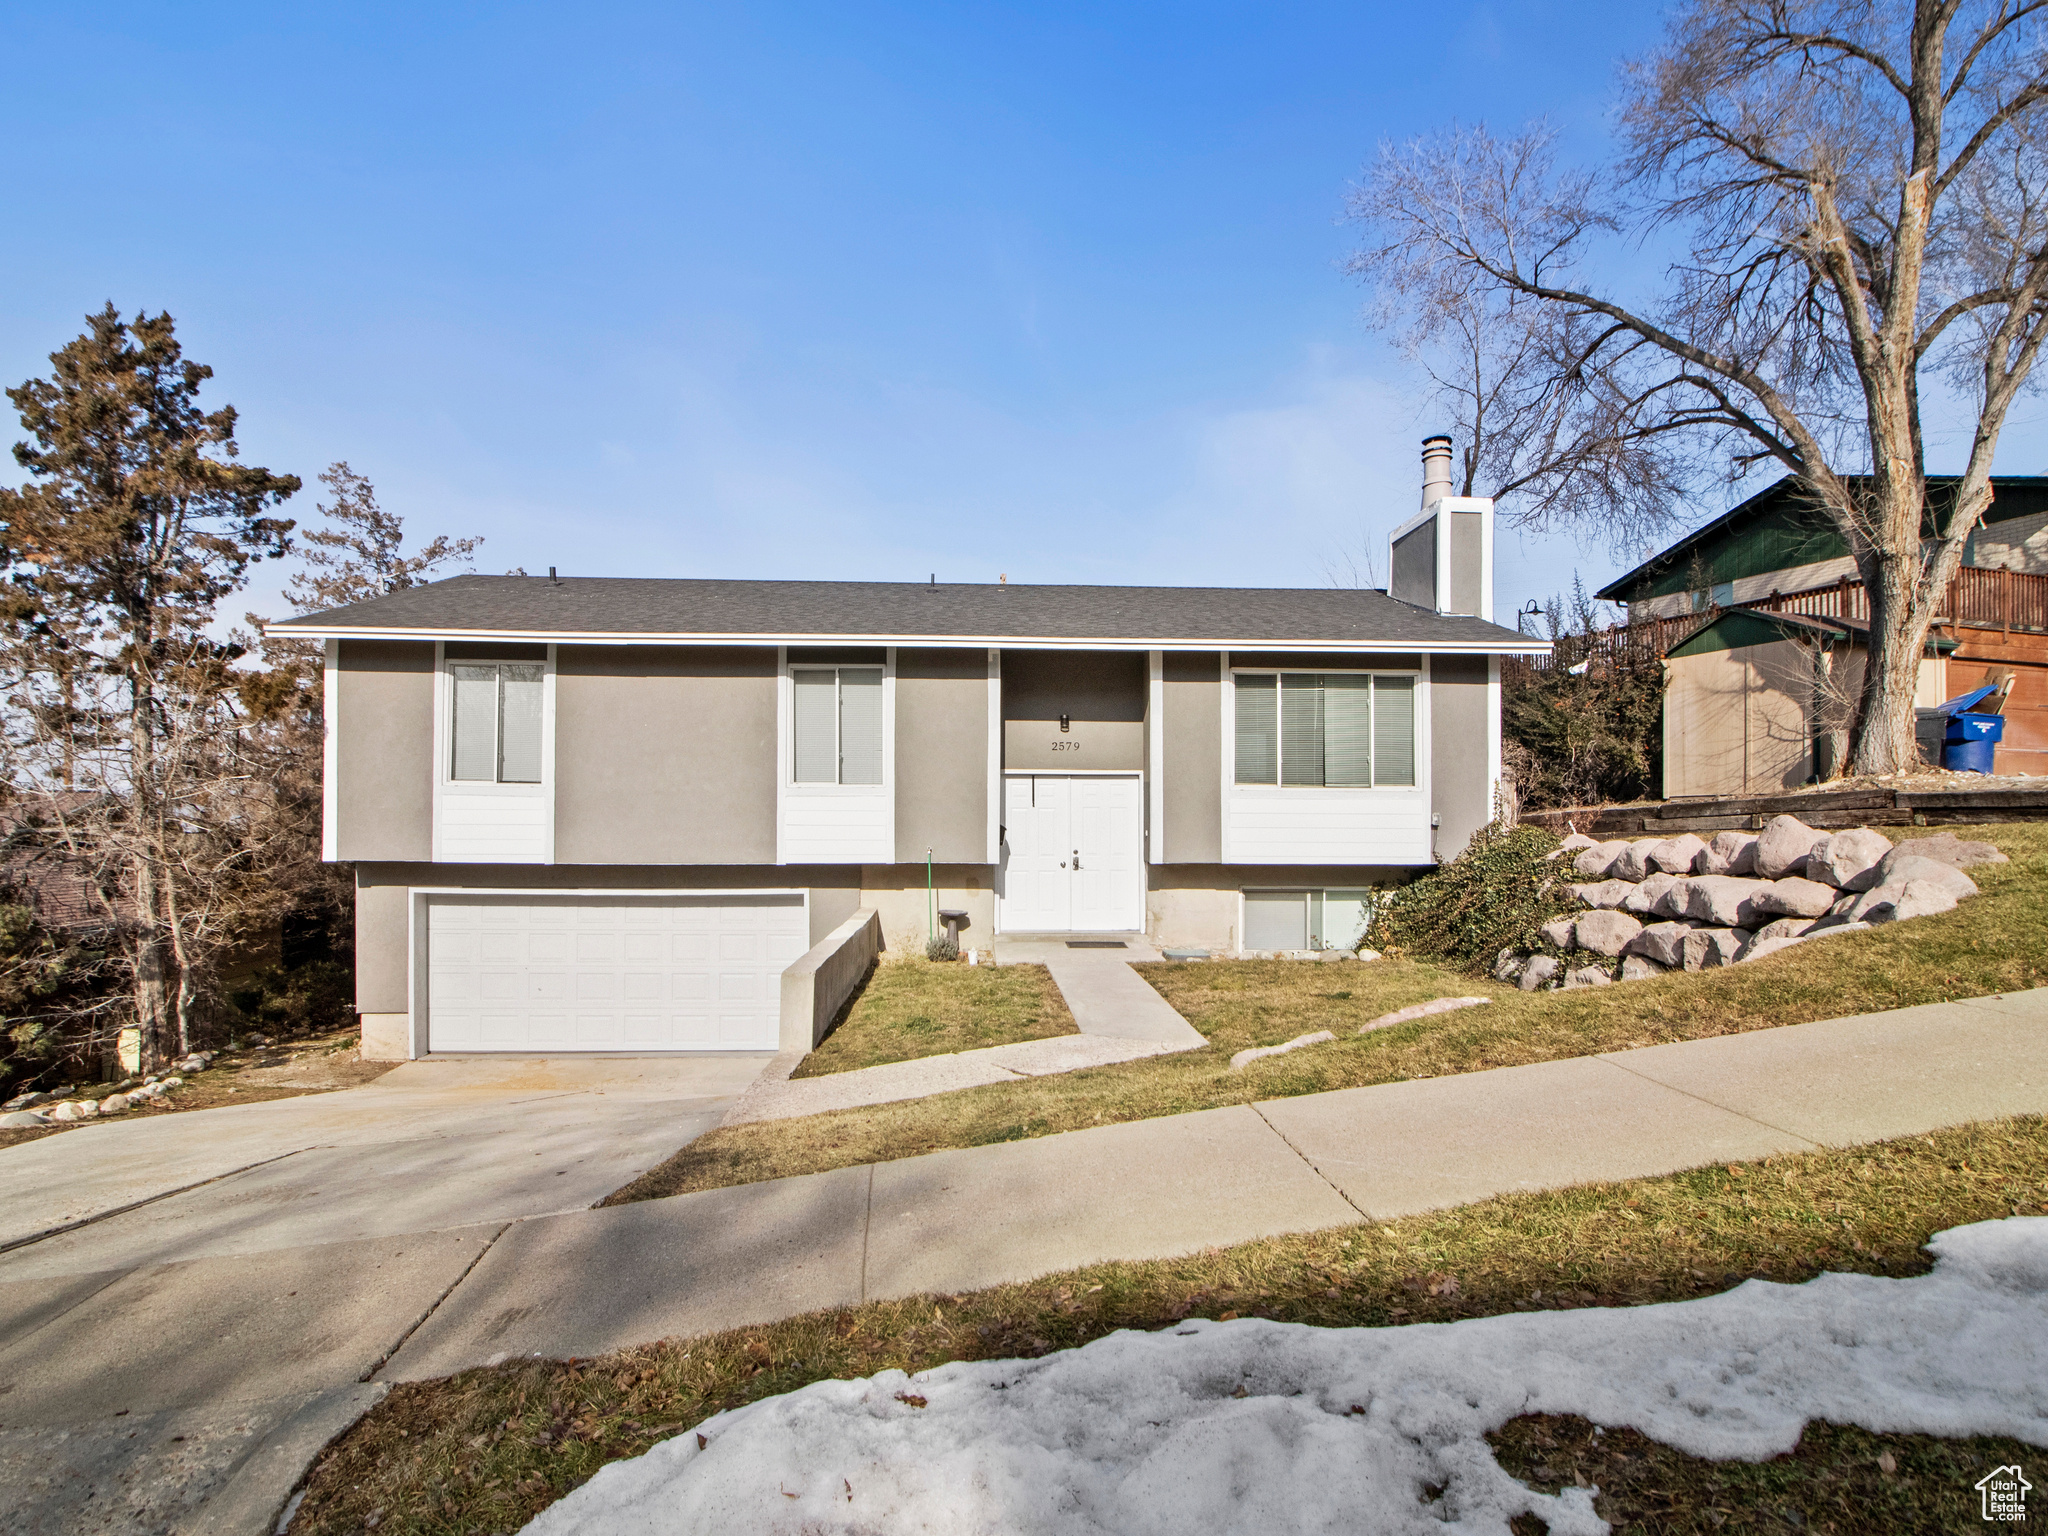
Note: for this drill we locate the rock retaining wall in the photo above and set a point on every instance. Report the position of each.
(1689, 903)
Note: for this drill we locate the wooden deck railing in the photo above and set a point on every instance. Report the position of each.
(1978, 598)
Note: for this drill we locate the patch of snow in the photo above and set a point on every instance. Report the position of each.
(1254, 1427)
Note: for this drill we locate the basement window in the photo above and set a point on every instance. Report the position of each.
(1327, 919)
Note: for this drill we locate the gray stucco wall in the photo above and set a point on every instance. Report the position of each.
(385, 750)
(1459, 724)
(1467, 568)
(942, 762)
(381, 918)
(1191, 751)
(664, 754)
(1413, 578)
(1102, 694)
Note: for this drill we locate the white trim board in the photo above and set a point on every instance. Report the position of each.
(1155, 759)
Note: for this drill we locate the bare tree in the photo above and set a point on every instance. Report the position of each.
(1858, 201)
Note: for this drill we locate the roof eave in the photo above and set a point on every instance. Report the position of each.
(1506, 646)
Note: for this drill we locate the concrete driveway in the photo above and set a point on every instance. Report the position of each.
(190, 1305)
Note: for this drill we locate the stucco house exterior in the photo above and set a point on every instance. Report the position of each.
(1755, 689)
(609, 813)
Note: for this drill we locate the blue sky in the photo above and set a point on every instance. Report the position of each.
(821, 291)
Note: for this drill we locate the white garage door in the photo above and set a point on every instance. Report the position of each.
(609, 973)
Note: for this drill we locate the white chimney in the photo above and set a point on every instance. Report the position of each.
(1436, 469)
(1442, 558)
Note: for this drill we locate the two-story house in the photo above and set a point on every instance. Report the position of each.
(604, 814)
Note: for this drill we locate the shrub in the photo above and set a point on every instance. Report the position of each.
(1493, 896)
(944, 947)
(313, 999)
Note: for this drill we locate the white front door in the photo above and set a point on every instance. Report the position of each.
(1073, 853)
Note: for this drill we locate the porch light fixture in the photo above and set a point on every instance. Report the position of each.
(1065, 725)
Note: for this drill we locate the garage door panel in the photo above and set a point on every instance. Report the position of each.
(597, 973)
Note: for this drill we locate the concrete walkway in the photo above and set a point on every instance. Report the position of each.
(257, 1356)
(1119, 1016)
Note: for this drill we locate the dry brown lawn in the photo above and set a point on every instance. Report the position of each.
(1997, 942)
(914, 1007)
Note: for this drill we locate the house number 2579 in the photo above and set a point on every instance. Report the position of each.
(1066, 746)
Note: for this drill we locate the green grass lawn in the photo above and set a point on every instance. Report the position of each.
(913, 1007)
(487, 1449)
(1996, 942)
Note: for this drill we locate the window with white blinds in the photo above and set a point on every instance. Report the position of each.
(496, 728)
(836, 723)
(1334, 730)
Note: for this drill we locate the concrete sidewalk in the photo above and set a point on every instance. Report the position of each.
(950, 1221)
(1119, 1015)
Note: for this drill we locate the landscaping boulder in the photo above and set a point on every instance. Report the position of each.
(1898, 871)
(1593, 862)
(1633, 862)
(1758, 948)
(1605, 933)
(1557, 933)
(1730, 853)
(1587, 976)
(1907, 862)
(1507, 965)
(1571, 845)
(1676, 897)
(1539, 970)
(1784, 928)
(1783, 847)
(26, 1101)
(1796, 897)
(1841, 856)
(113, 1103)
(1707, 948)
(1640, 968)
(1642, 897)
(1900, 901)
(1607, 893)
(1947, 848)
(1661, 942)
(1676, 855)
(22, 1120)
(1723, 901)
(75, 1109)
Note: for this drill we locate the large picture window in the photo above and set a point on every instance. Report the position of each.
(497, 722)
(1335, 730)
(837, 725)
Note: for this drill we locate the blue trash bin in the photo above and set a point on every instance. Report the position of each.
(1970, 742)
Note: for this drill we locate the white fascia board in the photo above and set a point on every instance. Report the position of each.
(1506, 647)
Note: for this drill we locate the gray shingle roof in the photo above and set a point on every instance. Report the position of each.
(911, 611)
